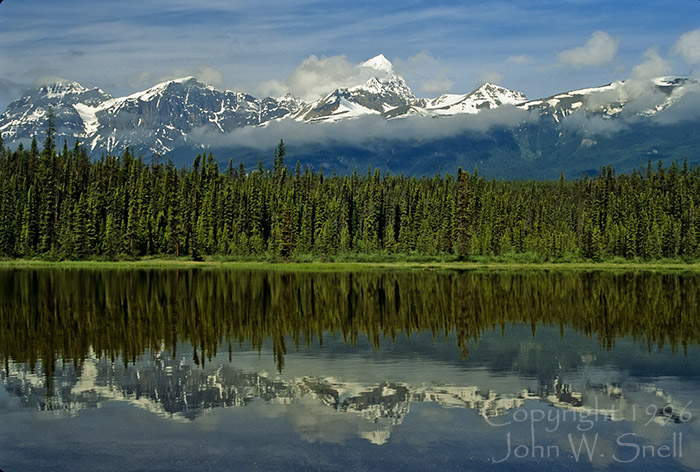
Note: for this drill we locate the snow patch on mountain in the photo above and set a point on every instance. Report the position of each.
(488, 96)
(89, 116)
(61, 89)
(380, 63)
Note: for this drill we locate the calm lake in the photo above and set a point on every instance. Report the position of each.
(218, 370)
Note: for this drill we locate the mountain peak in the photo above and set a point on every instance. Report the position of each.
(380, 63)
(498, 95)
(61, 88)
(489, 85)
(160, 88)
(182, 80)
(61, 92)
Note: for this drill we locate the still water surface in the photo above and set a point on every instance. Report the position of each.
(251, 370)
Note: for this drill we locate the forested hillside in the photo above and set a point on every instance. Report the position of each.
(58, 204)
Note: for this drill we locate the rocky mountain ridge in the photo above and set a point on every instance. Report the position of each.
(182, 115)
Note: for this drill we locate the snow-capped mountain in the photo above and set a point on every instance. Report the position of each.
(618, 98)
(179, 117)
(165, 114)
(488, 96)
(388, 94)
(161, 118)
(27, 116)
(384, 92)
(156, 120)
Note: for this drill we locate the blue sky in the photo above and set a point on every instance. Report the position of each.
(302, 46)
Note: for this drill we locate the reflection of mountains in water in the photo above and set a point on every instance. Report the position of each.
(178, 390)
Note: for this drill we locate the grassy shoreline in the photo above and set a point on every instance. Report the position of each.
(339, 266)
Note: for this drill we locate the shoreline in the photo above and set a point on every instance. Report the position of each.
(316, 266)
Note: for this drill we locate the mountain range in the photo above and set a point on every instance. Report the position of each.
(379, 123)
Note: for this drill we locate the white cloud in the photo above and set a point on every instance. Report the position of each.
(490, 75)
(210, 75)
(9, 91)
(271, 88)
(653, 66)
(688, 47)
(437, 85)
(418, 61)
(521, 59)
(48, 79)
(316, 76)
(640, 87)
(599, 50)
(639, 90)
(685, 109)
(431, 75)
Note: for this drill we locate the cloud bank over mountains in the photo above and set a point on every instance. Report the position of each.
(364, 131)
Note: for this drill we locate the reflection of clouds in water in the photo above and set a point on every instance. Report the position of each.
(436, 415)
(316, 424)
(691, 453)
(658, 430)
(324, 409)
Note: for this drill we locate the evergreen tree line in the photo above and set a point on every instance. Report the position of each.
(58, 204)
(53, 315)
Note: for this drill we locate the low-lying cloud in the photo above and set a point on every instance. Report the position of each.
(639, 92)
(640, 89)
(364, 131)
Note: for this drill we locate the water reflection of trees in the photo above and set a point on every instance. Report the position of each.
(59, 314)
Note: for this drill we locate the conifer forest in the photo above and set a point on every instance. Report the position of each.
(59, 204)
